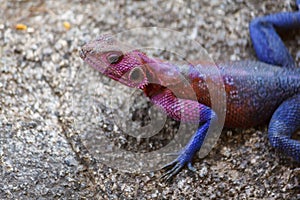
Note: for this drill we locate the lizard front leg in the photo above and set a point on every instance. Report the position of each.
(285, 121)
(186, 111)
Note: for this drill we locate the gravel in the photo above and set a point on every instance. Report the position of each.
(44, 126)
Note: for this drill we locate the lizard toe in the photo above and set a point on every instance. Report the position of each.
(169, 174)
(191, 167)
(175, 167)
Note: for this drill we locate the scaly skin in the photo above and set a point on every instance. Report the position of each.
(256, 92)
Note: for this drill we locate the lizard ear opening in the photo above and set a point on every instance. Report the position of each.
(114, 57)
(136, 75)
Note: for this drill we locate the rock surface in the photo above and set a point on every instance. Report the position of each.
(42, 77)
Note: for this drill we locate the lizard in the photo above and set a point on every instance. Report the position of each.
(257, 92)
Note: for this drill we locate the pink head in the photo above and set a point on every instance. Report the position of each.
(107, 56)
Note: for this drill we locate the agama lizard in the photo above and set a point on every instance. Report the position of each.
(256, 91)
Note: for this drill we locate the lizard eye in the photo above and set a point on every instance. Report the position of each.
(114, 57)
(136, 74)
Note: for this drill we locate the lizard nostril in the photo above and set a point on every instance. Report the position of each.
(82, 53)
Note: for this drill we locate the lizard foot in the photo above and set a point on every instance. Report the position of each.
(176, 166)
